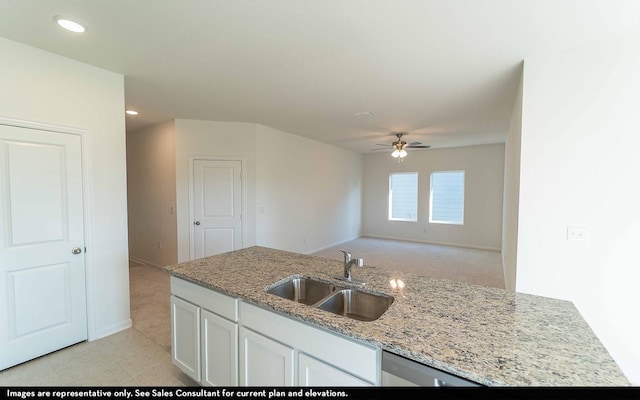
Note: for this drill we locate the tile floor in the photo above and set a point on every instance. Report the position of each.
(138, 356)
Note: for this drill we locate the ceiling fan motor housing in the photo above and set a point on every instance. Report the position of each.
(399, 144)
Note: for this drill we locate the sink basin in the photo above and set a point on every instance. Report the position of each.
(350, 303)
(356, 304)
(303, 290)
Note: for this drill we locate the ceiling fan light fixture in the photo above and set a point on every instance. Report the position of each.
(399, 146)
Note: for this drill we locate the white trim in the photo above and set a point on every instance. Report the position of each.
(465, 246)
(334, 244)
(113, 328)
(243, 195)
(87, 198)
(145, 262)
(43, 126)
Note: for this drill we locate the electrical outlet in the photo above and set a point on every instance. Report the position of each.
(576, 233)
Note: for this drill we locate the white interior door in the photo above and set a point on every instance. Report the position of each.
(42, 269)
(217, 207)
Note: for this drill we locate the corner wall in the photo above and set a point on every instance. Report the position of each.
(151, 193)
(580, 168)
(308, 193)
(44, 87)
(484, 180)
(511, 193)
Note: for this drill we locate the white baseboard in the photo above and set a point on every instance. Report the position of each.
(331, 245)
(113, 328)
(466, 246)
(145, 262)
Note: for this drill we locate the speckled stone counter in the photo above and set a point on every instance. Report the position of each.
(486, 335)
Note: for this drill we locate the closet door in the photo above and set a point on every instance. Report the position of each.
(42, 266)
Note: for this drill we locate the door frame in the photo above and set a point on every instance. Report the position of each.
(243, 194)
(87, 202)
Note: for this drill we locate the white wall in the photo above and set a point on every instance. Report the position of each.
(308, 194)
(511, 193)
(151, 193)
(484, 176)
(213, 139)
(40, 86)
(580, 166)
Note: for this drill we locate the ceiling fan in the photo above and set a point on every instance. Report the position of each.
(399, 146)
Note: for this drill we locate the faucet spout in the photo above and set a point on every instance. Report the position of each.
(349, 262)
(347, 256)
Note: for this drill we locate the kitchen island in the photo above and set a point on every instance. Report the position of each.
(486, 335)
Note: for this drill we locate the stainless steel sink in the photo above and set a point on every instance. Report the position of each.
(351, 303)
(303, 290)
(356, 304)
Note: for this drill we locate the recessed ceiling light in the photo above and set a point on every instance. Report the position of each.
(131, 112)
(69, 25)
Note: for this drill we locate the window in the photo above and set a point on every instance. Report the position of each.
(403, 197)
(447, 197)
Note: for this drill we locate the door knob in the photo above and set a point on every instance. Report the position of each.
(197, 223)
(76, 250)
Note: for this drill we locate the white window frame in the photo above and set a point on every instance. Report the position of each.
(431, 220)
(391, 218)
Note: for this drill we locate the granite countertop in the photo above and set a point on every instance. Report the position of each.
(490, 336)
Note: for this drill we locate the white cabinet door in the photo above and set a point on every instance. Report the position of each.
(185, 326)
(219, 350)
(264, 362)
(313, 372)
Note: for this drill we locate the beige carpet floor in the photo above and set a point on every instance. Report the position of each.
(478, 267)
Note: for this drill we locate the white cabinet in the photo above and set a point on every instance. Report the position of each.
(185, 343)
(219, 350)
(323, 358)
(218, 340)
(204, 333)
(264, 361)
(313, 372)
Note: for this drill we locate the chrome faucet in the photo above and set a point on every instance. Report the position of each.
(349, 262)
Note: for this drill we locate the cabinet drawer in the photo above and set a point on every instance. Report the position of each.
(313, 372)
(344, 353)
(209, 299)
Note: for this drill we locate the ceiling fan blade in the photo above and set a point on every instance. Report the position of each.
(414, 143)
(380, 144)
(417, 147)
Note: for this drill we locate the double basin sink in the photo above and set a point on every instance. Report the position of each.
(348, 302)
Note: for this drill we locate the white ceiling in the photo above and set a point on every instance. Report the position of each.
(446, 71)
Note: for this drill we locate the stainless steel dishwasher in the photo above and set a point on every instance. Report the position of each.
(400, 371)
